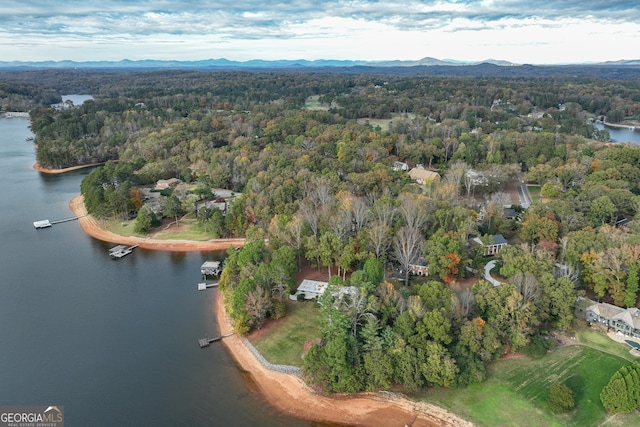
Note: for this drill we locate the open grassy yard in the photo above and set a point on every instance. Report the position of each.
(516, 391)
(283, 342)
(534, 192)
(602, 342)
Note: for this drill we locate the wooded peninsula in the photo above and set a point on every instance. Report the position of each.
(397, 190)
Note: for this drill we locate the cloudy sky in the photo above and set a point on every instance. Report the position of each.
(520, 31)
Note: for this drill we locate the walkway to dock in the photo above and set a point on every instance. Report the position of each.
(204, 342)
(205, 286)
(45, 223)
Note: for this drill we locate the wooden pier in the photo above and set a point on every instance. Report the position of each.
(205, 286)
(204, 342)
(45, 223)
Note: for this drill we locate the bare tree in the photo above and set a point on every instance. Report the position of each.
(340, 223)
(500, 199)
(310, 214)
(360, 212)
(455, 174)
(527, 285)
(384, 211)
(379, 235)
(258, 305)
(413, 211)
(407, 247)
(355, 307)
(322, 192)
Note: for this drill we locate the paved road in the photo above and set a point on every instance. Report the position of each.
(523, 193)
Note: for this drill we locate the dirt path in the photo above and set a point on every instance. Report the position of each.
(92, 228)
(292, 396)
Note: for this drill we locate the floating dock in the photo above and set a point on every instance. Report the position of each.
(45, 223)
(121, 251)
(211, 268)
(204, 342)
(205, 286)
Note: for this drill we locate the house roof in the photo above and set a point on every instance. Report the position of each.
(496, 239)
(312, 287)
(630, 316)
(423, 174)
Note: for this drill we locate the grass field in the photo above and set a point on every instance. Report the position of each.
(284, 342)
(516, 390)
(188, 229)
(601, 342)
(534, 192)
(312, 103)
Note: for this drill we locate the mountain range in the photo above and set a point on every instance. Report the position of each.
(258, 63)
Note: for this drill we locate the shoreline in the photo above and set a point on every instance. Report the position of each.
(290, 395)
(91, 226)
(39, 168)
(621, 126)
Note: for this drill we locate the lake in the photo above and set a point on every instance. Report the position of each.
(114, 342)
(621, 134)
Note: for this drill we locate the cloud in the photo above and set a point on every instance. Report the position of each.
(340, 28)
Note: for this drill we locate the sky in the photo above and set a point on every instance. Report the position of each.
(519, 31)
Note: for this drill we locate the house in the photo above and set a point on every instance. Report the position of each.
(509, 213)
(491, 244)
(315, 289)
(421, 175)
(310, 289)
(400, 166)
(623, 320)
(420, 268)
(163, 184)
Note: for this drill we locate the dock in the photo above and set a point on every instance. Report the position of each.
(204, 342)
(205, 286)
(121, 251)
(211, 268)
(45, 223)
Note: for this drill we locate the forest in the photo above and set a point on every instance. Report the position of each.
(311, 156)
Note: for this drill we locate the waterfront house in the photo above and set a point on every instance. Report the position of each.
(623, 320)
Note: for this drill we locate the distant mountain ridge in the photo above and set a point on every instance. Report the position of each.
(259, 63)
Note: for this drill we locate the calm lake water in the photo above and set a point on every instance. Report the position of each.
(114, 342)
(621, 134)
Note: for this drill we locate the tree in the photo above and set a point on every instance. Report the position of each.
(622, 393)
(602, 210)
(145, 220)
(560, 398)
(172, 207)
(204, 215)
(407, 247)
(631, 292)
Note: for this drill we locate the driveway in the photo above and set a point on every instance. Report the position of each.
(487, 273)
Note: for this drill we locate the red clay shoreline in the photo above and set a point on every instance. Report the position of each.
(91, 226)
(42, 169)
(288, 393)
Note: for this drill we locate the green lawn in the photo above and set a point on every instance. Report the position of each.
(602, 342)
(123, 228)
(284, 344)
(534, 192)
(516, 391)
